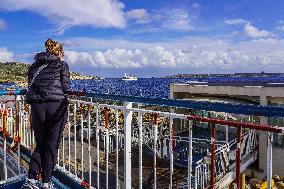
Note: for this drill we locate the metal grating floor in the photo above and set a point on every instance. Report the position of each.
(17, 184)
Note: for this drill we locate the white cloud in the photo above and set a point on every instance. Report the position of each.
(176, 19)
(141, 16)
(5, 55)
(2, 24)
(123, 58)
(162, 19)
(248, 28)
(187, 54)
(236, 21)
(254, 32)
(103, 13)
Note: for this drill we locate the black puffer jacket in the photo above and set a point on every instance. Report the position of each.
(52, 83)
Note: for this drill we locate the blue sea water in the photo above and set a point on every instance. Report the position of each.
(158, 87)
(146, 87)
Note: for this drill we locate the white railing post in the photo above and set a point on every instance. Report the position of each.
(155, 125)
(75, 137)
(98, 146)
(82, 142)
(269, 158)
(69, 140)
(127, 145)
(190, 153)
(140, 125)
(171, 153)
(89, 146)
(116, 147)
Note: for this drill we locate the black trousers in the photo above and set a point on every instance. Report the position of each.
(47, 122)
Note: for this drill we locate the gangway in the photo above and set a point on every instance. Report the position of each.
(116, 127)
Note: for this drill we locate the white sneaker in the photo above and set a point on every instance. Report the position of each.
(47, 185)
(31, 184)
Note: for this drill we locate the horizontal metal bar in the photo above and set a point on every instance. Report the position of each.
(111, 106)
(246, 109)
(238, 124)
(165, 114)
(16, 92)
(84, 102)
(97, 105)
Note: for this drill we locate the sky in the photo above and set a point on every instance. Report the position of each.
(148, 38)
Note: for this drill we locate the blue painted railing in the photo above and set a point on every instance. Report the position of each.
(246, 109)
(197, 105)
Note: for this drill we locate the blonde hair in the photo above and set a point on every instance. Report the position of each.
(55, 48)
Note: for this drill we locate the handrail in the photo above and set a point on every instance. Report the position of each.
(79, 117)
(228, 123)
(246, 109)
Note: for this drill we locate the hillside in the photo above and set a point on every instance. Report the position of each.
(18, 72)
(13, 72)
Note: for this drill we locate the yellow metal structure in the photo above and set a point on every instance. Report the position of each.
(264, 185)
(243, 181)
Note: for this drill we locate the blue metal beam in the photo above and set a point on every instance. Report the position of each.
(246, 109)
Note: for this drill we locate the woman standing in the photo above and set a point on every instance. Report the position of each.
(49, 79)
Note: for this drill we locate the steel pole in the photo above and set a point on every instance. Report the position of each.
(189, 171)
(213, 142)
(127, 144)
(238, 157)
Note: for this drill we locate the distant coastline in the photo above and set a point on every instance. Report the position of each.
(16, 72)
(78, 76)
(234, 75)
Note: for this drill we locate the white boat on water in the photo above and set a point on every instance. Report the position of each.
(129, 77)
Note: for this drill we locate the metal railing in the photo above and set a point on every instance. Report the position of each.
(224, 159)
(111, 142)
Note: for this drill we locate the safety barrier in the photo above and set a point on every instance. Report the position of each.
(114, 142)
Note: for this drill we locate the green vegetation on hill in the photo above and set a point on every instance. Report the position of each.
(13, 72)
(18, 72)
